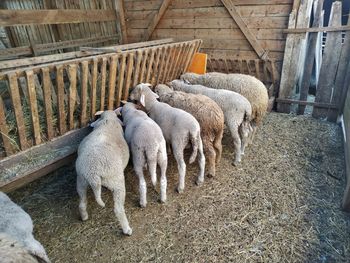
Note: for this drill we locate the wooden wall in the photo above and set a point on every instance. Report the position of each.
(209, 20)
(346, 126)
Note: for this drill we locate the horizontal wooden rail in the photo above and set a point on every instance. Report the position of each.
(318, 29)
(310, 103)
(42, 48)
(56, 16)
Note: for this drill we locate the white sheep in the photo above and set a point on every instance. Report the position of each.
(236, 108)
(179, 128)
(147, 146)
(17, 225)
(102, 158)
(248, 86)
(207, 113)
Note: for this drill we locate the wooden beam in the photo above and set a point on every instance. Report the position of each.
(260, 51)
(119, 5)
(155, 20)
(42, 48)
(318, 104)
(53, 16)
(25, 167)
(317, 29)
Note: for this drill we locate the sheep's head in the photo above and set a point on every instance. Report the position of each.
(107, 117)
(140, 92)
(189, 78)
(162, 89)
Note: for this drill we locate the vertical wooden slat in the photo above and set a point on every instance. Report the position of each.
(111, 81)
(129, 70)
(4, 131)
(72, 71)
(227, 70)
(83, 92)
(180, 69)
(155, 67)
(257, 68)
(60, 99)
(162, 63)
(189, 57)
(33, 106)
(167, 64)
(103, 83)
(137, 68)
(176, 63)
(143, 66)
(17, 107)
(93, 88)
(210, 66)
(121, 79)
(150, 66)
(47, 85)
(330, 62)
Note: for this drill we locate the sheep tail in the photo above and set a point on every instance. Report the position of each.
(195, 146)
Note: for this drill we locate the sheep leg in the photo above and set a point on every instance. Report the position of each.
(178, 151)
(96, 188)
(119, 200)
(233, 127)
(201, 162)
(211, 156)
(163, 163)
(252, 134)
(152, 165)
(139, 162)
(82, 186)
(218, 146)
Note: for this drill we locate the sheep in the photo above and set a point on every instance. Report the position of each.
(208, 114)
(102, 158)
(147, 145)
(16, 224)
(179, 128)
(13, 252)
(236, 108)
(248, 86)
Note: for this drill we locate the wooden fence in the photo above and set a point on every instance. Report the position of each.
(40, 103)
(303, 49)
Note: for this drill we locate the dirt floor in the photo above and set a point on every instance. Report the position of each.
(280, 205)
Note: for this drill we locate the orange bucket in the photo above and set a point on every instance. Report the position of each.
(198, 64)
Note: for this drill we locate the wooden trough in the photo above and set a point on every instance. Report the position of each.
(52, 103)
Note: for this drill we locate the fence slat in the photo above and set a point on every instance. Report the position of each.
(60, 100)
(83, 92)
(150, 66)
(47, 86)
(72, 72)
(33, 105)
(161, 65)
(4, 131)
(155, 67)
(143, 66)
(170, 55)
(121, 80)
(330, 61)
(17, 107)
(129, 70)
(93, 87)
(174, 68)
(137, 68)
(103, 83)
(112, 80)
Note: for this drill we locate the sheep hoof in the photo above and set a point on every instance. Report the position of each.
(84, 217)
(199, 183)
(128, 231)
(143, 204)
(235, 163)
(210, 175)
(180, 190)
(163, 200)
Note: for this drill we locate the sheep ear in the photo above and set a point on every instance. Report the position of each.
(142, 100)
(156, 95)
(98, 112)
(118, 111)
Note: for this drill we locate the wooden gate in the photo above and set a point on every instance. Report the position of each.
(310, 51)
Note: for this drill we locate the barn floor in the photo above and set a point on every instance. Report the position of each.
(280, 205)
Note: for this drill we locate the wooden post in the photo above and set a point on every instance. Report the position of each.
(329, 62)
(119, 6)
(155, 20)
(310, 56)
(295, 44)
(340, 86)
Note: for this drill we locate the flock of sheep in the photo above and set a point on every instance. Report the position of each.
(169, 118)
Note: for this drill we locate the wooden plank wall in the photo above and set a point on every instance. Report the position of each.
(55, 29)
(210, 21)
(39, 103)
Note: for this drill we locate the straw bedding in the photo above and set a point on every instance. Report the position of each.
(280, 205)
